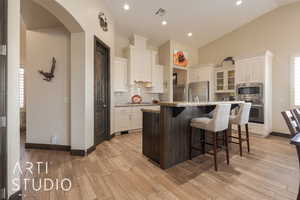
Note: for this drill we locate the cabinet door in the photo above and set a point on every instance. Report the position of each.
(157, 79)
(122, 119)
(147, 66)
(241, 70)
(141, 66)
(138, 65)
(220, 80)
(136, 118)
(193, 75)
(238, 73)
(120, 75)
(231, 79)
(257, 70)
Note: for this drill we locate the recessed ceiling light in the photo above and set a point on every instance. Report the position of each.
(239, 2)
(164, 23)
(190, 34)
(126, 6)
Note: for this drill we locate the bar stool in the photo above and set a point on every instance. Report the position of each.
(242, 118)
(218, 123)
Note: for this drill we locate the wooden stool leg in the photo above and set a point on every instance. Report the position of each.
(191, 142)
(226, 146)
(203, 143)
(247, 135)
(240, 140)
(215, 150)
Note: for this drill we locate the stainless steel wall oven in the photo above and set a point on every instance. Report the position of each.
(253, 93)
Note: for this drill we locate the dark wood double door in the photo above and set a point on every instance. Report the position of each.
(3, 132)
(101, 92)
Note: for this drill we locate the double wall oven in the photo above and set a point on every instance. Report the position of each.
(253, 93)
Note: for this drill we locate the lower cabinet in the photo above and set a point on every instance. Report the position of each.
(129, 118)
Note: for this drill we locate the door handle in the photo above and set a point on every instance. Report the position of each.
(104, 106)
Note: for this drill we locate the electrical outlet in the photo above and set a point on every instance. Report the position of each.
(54, 139)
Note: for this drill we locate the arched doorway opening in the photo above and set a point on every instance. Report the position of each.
(75, 99)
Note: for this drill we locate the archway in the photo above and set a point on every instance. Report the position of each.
(77, 76)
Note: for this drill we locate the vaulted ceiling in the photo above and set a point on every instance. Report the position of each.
(208, 20)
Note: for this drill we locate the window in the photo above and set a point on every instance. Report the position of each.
(21, 86)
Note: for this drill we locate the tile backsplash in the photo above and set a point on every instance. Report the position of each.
(125, 97)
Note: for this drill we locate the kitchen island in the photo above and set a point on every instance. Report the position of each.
(166, 132)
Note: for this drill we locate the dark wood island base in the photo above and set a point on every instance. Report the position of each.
(166, 132)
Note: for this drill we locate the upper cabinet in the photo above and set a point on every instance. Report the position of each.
(250, 70)
(201, 73)
(120, 75)
(139, 65)
(140, 61)
(157, 79)
(225, 80)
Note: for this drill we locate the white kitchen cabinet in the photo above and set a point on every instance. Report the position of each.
(120, 75)
(197, 74)
(157, 79)
(250, 70)
(258, 69)
(225, 80)
(129, 118)
(203, 73)
(136, 118)
(139, 65)
(122, 119)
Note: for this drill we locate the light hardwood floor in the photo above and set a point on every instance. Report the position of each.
(118, 170)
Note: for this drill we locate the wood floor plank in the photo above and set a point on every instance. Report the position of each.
(117, 170)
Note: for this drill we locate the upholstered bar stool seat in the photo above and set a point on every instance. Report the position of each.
(201, 123)
(241, 119)
(218, 123)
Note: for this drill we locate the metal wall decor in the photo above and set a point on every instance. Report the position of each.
(103, 21)
(49, 75)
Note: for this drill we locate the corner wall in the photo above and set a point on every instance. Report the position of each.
(83, 26)
(278, 31)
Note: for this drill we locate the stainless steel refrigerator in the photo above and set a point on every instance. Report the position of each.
(199, 91)
(179, 93)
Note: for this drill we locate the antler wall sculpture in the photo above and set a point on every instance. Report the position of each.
(49, 75)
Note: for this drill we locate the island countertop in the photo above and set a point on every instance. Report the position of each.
(187, 104)
(150, 110)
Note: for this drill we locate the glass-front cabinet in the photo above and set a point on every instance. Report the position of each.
(225, 80)
(220, 80)
(231, 79)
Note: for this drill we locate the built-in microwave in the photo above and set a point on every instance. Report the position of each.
(250, 90)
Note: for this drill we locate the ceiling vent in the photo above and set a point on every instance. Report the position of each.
(161, 12)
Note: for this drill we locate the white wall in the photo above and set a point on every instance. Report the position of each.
(13, 131)
(278, 31)
(192, 53)
(47, 103)
(81, 19)
(90, 23)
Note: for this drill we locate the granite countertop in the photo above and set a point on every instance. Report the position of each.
(186, 104)
(135, 105)
(151, 110)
